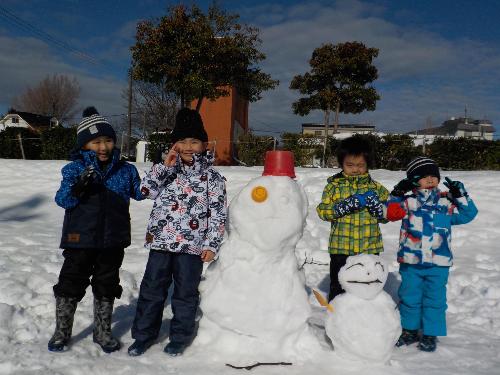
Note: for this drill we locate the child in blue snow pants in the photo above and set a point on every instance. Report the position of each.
(427, 215)
(423, 298)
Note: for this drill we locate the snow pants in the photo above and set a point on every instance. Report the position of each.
(337, 261)
(162, 268)
(422, 296)
(82, 267)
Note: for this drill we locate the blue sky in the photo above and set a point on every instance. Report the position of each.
(435, 59)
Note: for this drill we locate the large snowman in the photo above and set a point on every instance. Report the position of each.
(364, 324)
(253, 298)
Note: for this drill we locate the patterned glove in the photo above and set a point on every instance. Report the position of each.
(404, 186)
(347, 206)
(83, 182)
(373, 204)
(456, 188)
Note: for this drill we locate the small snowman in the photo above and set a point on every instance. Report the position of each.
(363, 323)
(253, 298)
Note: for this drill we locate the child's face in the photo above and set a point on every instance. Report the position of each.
(354, 165)
(102, 146)
(188, 146)
(428, 182)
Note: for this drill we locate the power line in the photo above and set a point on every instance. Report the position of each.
(9, 16)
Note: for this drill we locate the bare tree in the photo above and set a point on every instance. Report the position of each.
(153, 108)
(56, 96)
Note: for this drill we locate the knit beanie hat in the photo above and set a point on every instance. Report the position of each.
(422, 166)
(92, 126)
(188, 124)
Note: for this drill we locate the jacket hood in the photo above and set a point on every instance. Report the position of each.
(90, 157)
(360, 179)
(201, 162)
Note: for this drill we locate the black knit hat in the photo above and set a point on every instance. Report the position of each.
(92, 126)
(422, 167)
(188, 124)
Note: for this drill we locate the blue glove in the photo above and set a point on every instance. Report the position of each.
(347, 206)
(456, 188)
(373, 204)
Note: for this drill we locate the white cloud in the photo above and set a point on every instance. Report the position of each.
(26, 61)
(421, 74)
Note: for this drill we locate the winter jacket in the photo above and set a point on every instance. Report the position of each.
(190, 207)
(357, 232)
(427, 217)
(101, 218)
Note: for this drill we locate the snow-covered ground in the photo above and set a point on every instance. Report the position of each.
(30, 225)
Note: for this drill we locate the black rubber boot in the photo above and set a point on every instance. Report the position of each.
(103, 309)
(408, 337)
(65, 313)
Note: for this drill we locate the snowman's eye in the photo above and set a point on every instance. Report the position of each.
(356, 264)
(381, 266)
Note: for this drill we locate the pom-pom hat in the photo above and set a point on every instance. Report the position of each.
(188, 124)
(422, 167)
(92, 126)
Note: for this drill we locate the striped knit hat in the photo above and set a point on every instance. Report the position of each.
(422, 167)
(92, 126)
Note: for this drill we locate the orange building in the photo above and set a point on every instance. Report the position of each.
(225, 119)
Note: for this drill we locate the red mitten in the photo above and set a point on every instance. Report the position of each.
(395, 212)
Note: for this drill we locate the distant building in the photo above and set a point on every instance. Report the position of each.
(460, 127)
(36, 123)
(224, 119)
(343, 130)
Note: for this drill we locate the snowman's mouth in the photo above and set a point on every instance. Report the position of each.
(366, 282)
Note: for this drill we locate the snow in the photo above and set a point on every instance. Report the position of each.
(30, 226)
(365, 323)
(254, 296)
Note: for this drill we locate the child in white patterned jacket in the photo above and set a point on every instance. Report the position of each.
(185, 229)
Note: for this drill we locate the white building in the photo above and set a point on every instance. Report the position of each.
(460, 127)
(27, 120)
(343, 130)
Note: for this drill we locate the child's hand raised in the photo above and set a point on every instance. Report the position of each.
(207, 255)
(171, 156)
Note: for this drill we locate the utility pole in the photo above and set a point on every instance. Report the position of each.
(129, 114)
(21, 145)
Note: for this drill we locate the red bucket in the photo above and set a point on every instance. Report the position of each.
(279, 163)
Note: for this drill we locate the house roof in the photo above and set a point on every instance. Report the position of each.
(33, 119)
(452, 125)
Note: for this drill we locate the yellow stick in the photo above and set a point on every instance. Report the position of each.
(322, 300)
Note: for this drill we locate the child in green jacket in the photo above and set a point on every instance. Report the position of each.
(352, 202)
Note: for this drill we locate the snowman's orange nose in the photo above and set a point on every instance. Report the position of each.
(259, 194)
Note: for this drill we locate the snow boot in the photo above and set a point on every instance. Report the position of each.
(427, 343)
(65, 313)
(175, 348)
(139, 347)
(408, 337)
(103, 309)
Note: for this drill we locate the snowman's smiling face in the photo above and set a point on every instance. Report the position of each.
(363, 275)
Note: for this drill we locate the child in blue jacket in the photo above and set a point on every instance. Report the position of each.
(185, 229)
(425, 248)
(95, 192)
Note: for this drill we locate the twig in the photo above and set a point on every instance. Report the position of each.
(260, 364)
(306, 261)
